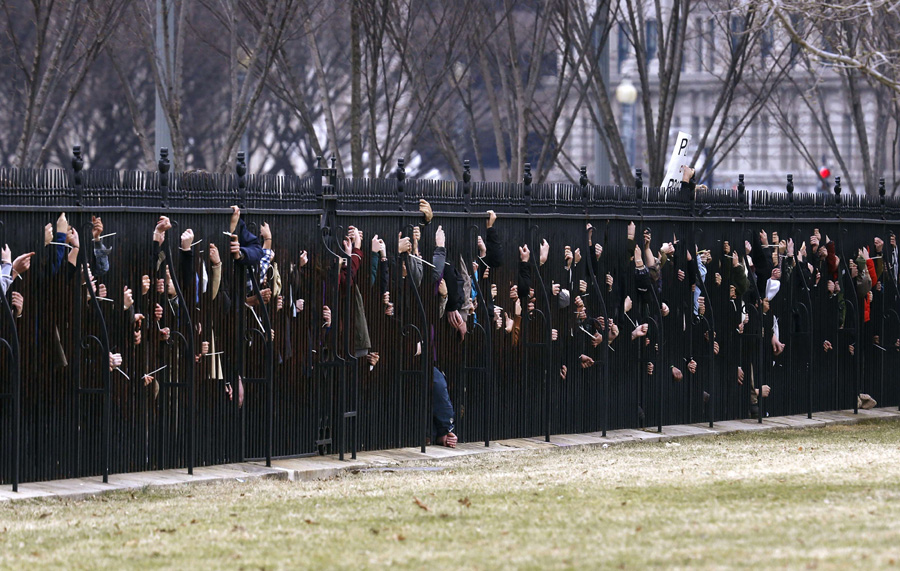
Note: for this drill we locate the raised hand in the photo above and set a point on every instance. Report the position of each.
(96, 227)
(355, 237)
(404, 245)
(235, 216)
(640, 331)
(21, 264)
(524, 253)
(72, 238)
(62, 224)
(234, 247)
(163, 225)
(425, 209)
(214, 257)
(187, 238)
(18, 303)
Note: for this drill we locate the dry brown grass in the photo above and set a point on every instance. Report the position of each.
(826, 498)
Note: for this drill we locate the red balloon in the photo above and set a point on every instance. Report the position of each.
(824, 172)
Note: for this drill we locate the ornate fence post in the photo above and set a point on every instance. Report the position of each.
(11, 343)
(164, 165)
(83, 340)
(604, 328)
(467, 186)
(240, 168)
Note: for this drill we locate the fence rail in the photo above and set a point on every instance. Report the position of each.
(228, 363)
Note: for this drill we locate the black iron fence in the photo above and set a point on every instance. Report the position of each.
(233, 362)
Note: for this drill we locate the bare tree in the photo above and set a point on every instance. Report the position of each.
(851, 47)
(52, 45)
(507, 86)
(657, 43)
(813, 26)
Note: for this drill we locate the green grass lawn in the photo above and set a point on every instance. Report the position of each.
(820, 498)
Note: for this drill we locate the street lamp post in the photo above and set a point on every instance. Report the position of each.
(626, 95)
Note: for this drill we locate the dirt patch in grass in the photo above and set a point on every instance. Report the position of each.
(826, 498)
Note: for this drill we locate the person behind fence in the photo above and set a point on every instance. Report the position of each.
(447, 285)
(446, 274)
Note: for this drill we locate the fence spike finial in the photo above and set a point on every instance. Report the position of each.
(583, 181)
(77, 165)
(401, 183)
(790, 191)
(164, 165)
(467, 186)
(526, 180)
(240, 168)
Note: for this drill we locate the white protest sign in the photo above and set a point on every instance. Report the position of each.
(678, 160)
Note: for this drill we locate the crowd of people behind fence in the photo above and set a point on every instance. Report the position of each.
(663, 291)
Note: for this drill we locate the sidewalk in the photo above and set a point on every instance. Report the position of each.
(318, 467)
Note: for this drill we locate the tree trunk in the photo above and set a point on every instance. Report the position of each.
(356, 151)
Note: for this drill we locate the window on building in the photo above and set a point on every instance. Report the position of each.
(711, 44)
(651, 39)
(847, 150)
(814, 150)
(797, 24)
(764, 143)
(787, 150)
(623, 47)
(698, 25)
(754, 146)
(795, 156)
(766, 40)
(737, 32)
